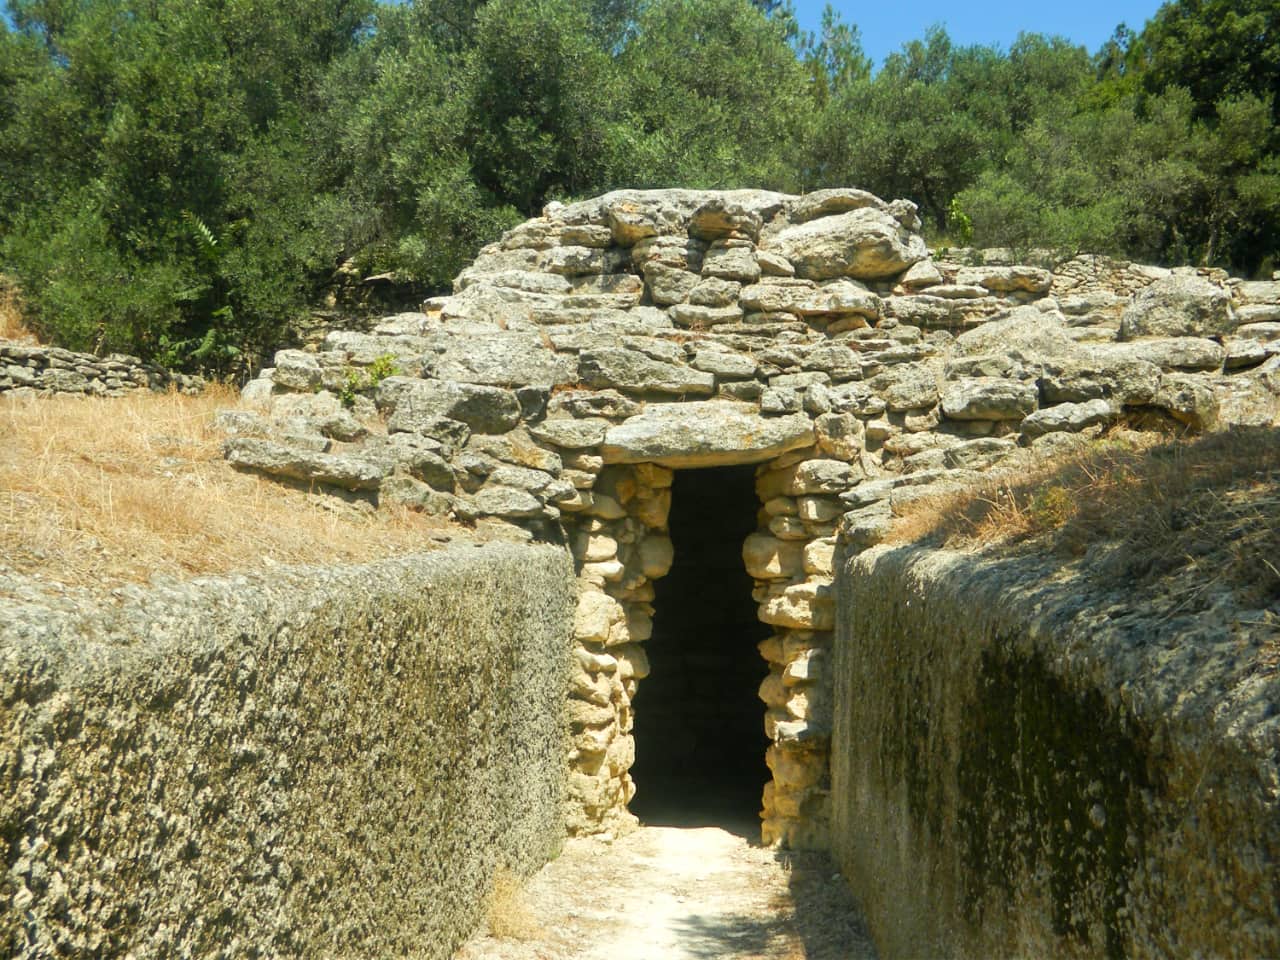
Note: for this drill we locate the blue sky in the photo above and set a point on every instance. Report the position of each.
(887, 26)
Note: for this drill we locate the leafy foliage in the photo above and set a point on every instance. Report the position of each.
(182, 179)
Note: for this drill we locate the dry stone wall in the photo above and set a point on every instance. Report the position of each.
(50, 370)
(310, 762)
(595, 349)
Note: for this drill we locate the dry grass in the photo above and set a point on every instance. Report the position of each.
(510, 916)
(1211, 505)
(99, 492)
(12, 325)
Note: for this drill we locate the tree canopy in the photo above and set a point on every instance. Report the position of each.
(181, 178)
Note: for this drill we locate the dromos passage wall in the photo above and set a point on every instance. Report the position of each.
(326, 762)
(1027, 761)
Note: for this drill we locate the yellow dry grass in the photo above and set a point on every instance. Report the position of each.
(510, 916)
(100, 492)
(12, 324)
(1210, 505)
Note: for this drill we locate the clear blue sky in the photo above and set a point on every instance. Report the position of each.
(887, 26)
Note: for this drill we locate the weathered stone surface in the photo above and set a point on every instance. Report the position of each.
(1069, 417)
(1099, 375)
(503, 359)
(866, 244)
(419, 403)
(279, 460)
(1026, 333)
(1188, 400)
(704, 434)
(768, 558)
(731, 262)
(1171, 353)
(986, 398)
(570, 434)
(668, 284)
(907, 386)
(1007, 279)
(1178, 306)
(632, 371)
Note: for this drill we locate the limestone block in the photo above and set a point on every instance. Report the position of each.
(595, 662)
(1178, 306)
(585, 404)
(781, 507)
(820, 509)
(608, 571)
(795, 768)
(593, 689)
(988, 398)
(632, 370)
(808, 477)
(620, 755)
(684, 253)
(695, 317)
(804, 606)
(1069, 417)
(419, 403)
(593, 741)
(570, 434)
(769, 558)
(1187, 399)
(921, 275)
(714, 292)
(772, 265)
(867, 244)
(841, 436)
(809, 666)
(296, 370)
(824, 203)
(907, 386)
(595, 615)
(724, 364)
(652, 508)
(606, 507)
(633, 662)
(655, 555)
(594, 793)
(819, 556)
(1171, 353)
(1031, 280)
(281, 460)
(771, 649)
(639, 623)
(583, 714)
(594, 548)
(731, 260)
(652, 475)
(786, 527)
(704, 434)
(1099, 375)
(772, 690)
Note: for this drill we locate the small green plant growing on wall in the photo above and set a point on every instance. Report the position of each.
(358, 381)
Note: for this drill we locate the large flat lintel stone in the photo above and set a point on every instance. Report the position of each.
(710, 433)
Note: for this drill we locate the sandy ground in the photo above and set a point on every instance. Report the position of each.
(666, 893)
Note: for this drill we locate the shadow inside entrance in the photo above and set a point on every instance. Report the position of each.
(699, 727)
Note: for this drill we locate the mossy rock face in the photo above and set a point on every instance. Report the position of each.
(1060, 768)
(1029, 761)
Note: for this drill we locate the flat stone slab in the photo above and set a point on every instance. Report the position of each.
(710, 433)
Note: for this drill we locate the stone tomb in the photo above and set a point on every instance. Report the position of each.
(594, 352)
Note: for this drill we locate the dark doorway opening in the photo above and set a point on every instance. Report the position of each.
(699, 726)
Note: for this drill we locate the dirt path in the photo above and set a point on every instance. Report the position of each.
(664, 893)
